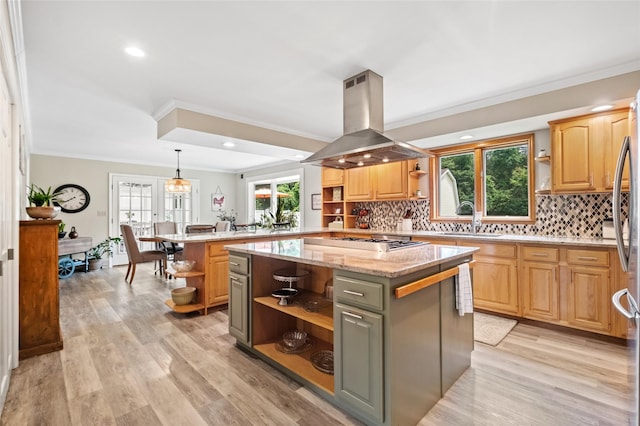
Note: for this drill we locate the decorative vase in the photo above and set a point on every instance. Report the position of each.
(73, 233)
(43, 212)
(61, 235)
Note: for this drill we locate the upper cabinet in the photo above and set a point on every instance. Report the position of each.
(585, 151)
(391, 181)
(332, 177)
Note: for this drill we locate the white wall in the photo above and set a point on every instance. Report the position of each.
(94, 176)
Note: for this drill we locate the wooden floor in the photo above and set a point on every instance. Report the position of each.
(128, 360)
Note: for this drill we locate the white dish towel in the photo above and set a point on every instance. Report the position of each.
(464, 293)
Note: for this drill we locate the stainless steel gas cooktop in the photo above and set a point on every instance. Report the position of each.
(380, 244)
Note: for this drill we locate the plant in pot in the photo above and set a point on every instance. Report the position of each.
(40, 203)
(104, 248)
(61, 232)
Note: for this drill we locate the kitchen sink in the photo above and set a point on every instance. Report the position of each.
(469, 234)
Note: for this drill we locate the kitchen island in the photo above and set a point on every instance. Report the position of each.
(397, 341)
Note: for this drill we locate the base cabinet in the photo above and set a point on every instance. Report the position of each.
(240, 297)
(358, 360)
(588, 298)
(495, 277)
(217, 279)
(38, 295)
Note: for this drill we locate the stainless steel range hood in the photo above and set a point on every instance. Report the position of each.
(363, 143)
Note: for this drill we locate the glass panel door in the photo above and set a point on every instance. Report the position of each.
(135, 205)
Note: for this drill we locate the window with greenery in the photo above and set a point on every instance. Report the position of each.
(496, 176)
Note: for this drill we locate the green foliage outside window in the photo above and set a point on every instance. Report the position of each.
(506, 180)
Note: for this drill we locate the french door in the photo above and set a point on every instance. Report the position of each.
(8, 238)
(139, 201)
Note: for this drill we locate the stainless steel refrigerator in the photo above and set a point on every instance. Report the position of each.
(626, 301)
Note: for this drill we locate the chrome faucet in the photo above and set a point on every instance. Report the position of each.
(474, 222)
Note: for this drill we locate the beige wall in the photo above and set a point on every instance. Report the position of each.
(94, 176)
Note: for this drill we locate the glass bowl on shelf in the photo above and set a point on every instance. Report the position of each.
(183, 265)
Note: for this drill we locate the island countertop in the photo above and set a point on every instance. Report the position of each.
(390, 264)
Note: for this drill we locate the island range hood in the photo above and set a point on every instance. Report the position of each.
(363, 143)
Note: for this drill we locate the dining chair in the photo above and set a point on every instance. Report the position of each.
(223, 226)
(199, 229)
(173, 250)
(136, 256)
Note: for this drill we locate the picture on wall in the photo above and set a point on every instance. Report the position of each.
(316, 202)
(217, 200)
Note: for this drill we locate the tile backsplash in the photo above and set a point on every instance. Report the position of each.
(579, 215)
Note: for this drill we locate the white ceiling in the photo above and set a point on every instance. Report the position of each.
(280, 65)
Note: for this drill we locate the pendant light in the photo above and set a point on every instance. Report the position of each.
(177, 184)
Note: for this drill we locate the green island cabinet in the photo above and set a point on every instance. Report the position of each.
(394, 357)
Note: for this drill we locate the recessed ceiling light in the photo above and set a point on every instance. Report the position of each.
(367, 156)
(466, 137)
(134, 51)
(299, 156)
(360, 163)
(229, 144)
(341, 160)
(385, 160)
(601, 108)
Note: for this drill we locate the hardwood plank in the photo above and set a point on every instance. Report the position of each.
(132, 361)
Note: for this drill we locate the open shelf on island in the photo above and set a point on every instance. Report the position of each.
(301, 364)
(184, 309)
(323, 318)
(189, 274)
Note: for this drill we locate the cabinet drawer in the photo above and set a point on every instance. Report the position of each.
(239, 264)
(362, 293)
(588, 257)
(240, 279)
(540, 254)
(495, 250)
(215, 249)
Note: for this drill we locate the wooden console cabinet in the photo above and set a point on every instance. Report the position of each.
(39, 303)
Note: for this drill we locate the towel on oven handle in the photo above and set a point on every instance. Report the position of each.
(464, 293)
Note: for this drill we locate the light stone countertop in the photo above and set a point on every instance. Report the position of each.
(497, 238)
(391, 264)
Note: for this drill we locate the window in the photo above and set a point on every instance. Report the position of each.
(275, 199)
(496, 176)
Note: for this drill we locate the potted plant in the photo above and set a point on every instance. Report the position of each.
(102, 249)
(61, 232)
(40, 203)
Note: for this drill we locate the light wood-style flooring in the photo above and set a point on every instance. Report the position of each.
(128, 360)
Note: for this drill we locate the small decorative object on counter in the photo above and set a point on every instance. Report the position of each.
(61, 232)
(73, 233)
(417, 166)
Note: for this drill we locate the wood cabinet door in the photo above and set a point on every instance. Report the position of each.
(571, 156)
(358, 360)
(540, 290)
(332, 177)
(588, 304)
(615, 128)
(391, 181)
(495, 285)
(218, 280)
(359, 185)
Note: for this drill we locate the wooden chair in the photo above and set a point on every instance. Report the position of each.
(136, 256)
(199, 229)
(173, 250)
(223, 226)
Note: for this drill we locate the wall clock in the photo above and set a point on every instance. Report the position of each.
(74, 198)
